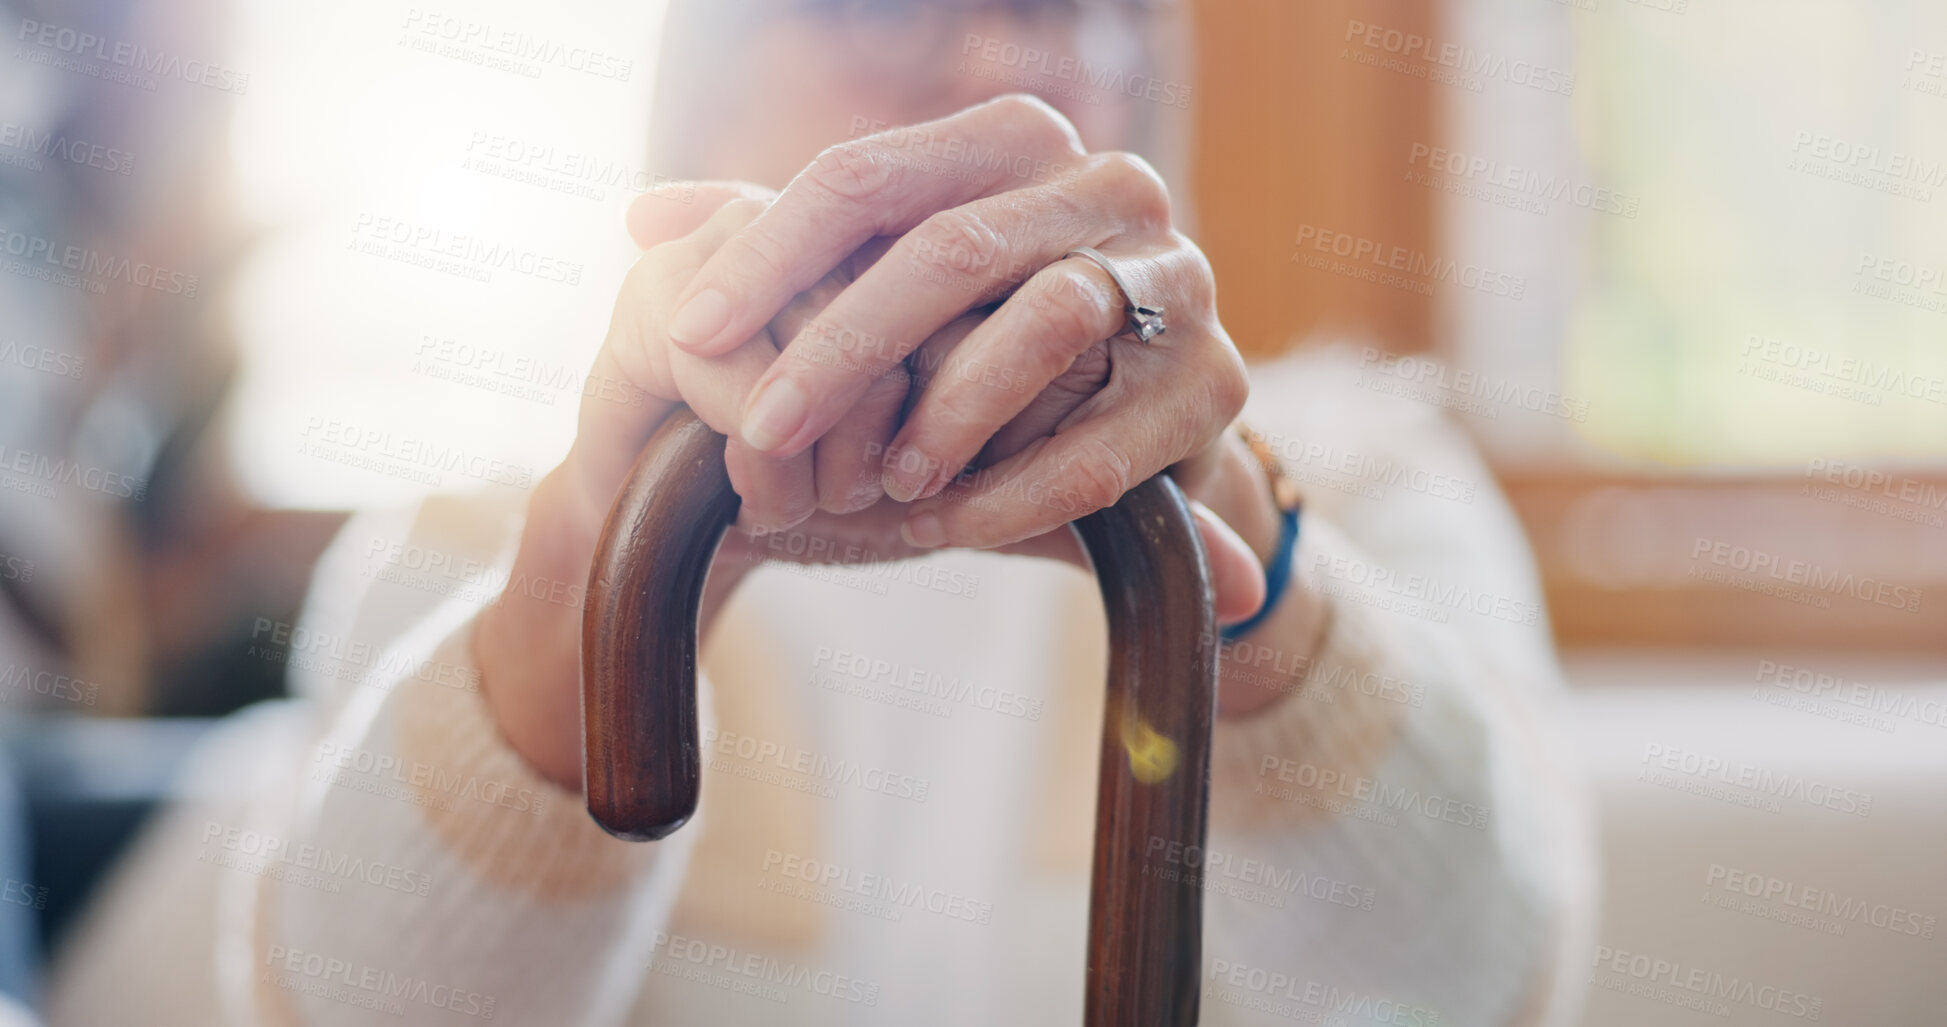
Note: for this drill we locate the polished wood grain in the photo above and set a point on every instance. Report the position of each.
(642, 761)
(642, 754)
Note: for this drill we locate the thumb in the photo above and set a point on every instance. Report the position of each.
(1235, 572)
(676, 209)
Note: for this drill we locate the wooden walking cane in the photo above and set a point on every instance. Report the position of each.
(643, 759)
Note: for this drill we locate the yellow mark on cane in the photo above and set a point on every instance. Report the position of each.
(1152, 757)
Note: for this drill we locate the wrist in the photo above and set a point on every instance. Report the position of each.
(1238, 492)
(1261, 503)
(527, 642)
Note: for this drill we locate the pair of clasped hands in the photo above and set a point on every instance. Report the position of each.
(867, 335)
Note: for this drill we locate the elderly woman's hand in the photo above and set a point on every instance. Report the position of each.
(985, 205)
(1066, 418)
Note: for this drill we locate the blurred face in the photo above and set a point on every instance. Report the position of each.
(800, 75)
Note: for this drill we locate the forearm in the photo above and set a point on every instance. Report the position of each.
(477, 871)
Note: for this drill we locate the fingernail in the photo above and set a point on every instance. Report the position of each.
(903, 483)
(774, 415)
(699, 320)
(923, 532)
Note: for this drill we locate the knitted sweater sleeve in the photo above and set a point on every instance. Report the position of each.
(1400, 839)
(392, 860)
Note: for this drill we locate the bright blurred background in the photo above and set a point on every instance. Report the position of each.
(1678, 265)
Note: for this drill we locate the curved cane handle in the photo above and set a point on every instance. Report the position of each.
(643, 760)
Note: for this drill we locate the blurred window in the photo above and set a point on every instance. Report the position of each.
(1731, 326)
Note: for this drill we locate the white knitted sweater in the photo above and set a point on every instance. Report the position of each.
(898, 793)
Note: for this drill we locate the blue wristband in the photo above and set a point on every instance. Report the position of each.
(1277, 575)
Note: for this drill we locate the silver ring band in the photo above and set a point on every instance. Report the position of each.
(1145, 323)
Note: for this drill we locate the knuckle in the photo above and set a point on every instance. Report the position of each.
(759, 256)
(1197, 277)
(742, 210)
(1133, 179)
(1072, 307)
(957, 239)
(660, 263)
(1099, 474)
(1023, 105)
(851, 171)
(637, 316)
(1086, 374)
(952, 414)
(649, 267)
(1230, 384)
(1048, 130)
